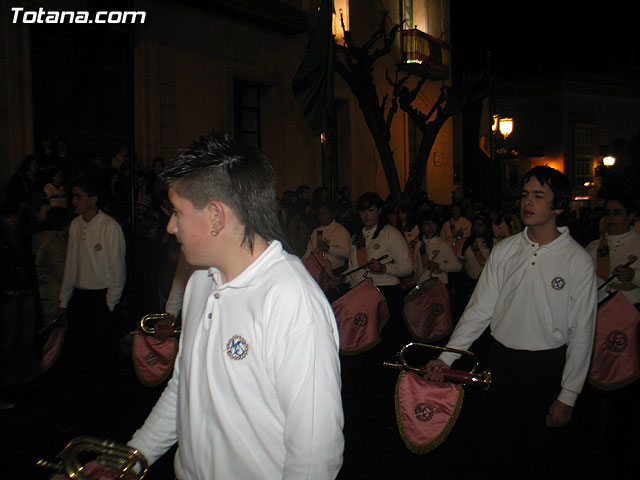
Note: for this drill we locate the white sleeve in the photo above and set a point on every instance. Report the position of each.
(478, 313)
(70, 267)
(582, 321)
(400, 254)
(449, 261)
(117, 263)
(342, 246)
(308, 389)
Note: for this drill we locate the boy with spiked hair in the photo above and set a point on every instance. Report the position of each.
(256, 386)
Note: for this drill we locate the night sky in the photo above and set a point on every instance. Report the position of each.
(526, 38)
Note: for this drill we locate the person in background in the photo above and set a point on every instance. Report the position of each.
(330, 238)
(456, 228)
(92, 285)
(434, 257)
(54, 189)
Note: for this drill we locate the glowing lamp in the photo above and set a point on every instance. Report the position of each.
(506, 126)
(609, 161)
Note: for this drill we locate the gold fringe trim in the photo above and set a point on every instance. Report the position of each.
(421, 449)
(615, 385)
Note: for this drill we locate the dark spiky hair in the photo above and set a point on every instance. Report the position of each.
(216, 167)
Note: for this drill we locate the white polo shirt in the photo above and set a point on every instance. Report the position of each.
(339, 242)
(95, 259)
(536, 297)
(389, 242)
(620, 248)
(255, 392)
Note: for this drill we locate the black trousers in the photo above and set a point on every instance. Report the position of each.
(524, 385)
(90, 342)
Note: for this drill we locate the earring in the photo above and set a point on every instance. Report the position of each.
(214, 233)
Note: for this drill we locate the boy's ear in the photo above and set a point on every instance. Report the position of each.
(217, 216)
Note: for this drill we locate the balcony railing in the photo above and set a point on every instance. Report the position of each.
(427, 51)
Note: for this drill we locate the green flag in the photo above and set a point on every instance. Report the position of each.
(313, 82)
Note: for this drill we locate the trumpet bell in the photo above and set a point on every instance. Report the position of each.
(114, 456)
(167, 320)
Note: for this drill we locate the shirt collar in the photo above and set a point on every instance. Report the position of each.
(618, 238)
(251, 274)
(556, 244)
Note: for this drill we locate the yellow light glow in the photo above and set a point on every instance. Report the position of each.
(494, 127)
(609, 161)
(506, 126)
(341, 9)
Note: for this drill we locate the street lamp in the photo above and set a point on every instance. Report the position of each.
(506, 126)
(609, 161)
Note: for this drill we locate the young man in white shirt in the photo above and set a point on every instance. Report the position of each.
(330, 238)
(615, 248)
(255, 391)
(92, 285)
(537, 293)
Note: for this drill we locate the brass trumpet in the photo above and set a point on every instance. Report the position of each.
(112, 455)
(482, 379)
(156, 317)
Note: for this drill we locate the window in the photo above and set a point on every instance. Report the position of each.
(583, 151)
(247, 114)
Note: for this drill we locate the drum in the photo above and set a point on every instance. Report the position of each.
(615, 360)
(319, 267)
(426, 411)
(427, 312)
(361, 313)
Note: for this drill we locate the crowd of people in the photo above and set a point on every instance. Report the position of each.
(75, 236)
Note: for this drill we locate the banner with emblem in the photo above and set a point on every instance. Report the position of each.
(361, 313)
(615, 360)
(427, 312)
(426, 411)
(154, 355)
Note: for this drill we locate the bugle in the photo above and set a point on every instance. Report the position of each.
(482, 379)
(149, 330)
(110, 455)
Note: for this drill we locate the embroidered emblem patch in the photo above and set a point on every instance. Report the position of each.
(617, 341)
(97, 247)
(360, 319)
(376, 246)
(557, 283)
(237, 347)
(424, 412)
(151, 358)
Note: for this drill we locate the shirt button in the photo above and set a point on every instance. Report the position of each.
(209, 315)
(535, 254)
(533, 263)
(216, 295)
